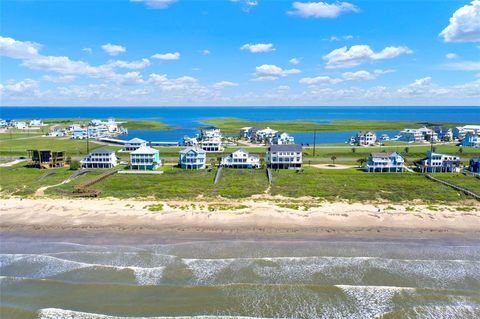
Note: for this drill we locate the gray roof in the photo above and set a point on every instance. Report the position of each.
(136, 140)
(285, 148)
(102, 150)
(384, 154)
(197, 150)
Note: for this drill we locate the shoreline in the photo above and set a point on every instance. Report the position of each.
(252, 218)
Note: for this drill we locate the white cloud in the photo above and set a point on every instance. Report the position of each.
(358, 54)
(162, 81)
(258, 48)
(134, 65)
(166, 56)
(19, 87)
(294, 61)
(246, 4)
(156, 4)
(319, 80)
(364, 75)
(272, 72)
(205, 52)
(224, 84)
(451, 56)
(88, 50)
(59, 79)
(321, 9)
(339, 38)
(463, 66)
(18, 49)
(464, 24)
(113, 49)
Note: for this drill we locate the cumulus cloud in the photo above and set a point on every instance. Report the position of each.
(464, 25)
(246, 4)
(134, 65)
(451, 56)
(88, 50)
(364, 75)
(19, 87)
(339, 38)
(258, 48)
(166, 56)
(224, 84)
(357, 54)
(156, 4)
(167, 84)
(205, 52)
(272, 72)
(321, 9)
(113, 49)
(59, 79)
(294, 61)
(18, 49)
(319, 80)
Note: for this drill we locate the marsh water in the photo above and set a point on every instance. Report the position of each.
(46, 276)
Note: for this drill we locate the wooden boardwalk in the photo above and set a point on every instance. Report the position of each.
(464, 190)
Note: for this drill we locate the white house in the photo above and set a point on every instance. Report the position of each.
(460, 132)
(438, 162)
(282, 139)
(134, 144)
(284, 156)
(211, 145)
(240, 159)
(190, 141)
(417, 135)
(365, 138)
(210, 133)
(100, 158)
(96, 122)
(79, 133)
(192, 158)
(265, 135)
(145, 158)
(385, 162)
(21, 125)
(36, 123)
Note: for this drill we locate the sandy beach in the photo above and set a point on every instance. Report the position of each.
(261, 217)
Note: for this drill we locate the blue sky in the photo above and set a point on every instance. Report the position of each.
(243, 52)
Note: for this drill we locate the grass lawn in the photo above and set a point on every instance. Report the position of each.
(238, 183)
(233, 125)
(469, 182)
(126, 123)
(21, 180)
(354, 185)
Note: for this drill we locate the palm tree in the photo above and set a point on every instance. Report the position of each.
(333, 158)
(361, 161)
(406, 150)
(354, 149)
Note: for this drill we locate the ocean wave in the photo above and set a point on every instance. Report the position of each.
(54, 313)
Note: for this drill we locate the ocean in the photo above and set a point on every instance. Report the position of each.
(123, 276)
(185, 120)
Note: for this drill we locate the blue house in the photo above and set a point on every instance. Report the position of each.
(192, 158)
(471, 140)
(385, 162)
(474, 165)
(145, 158)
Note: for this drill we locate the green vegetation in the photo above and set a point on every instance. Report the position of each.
(155, 207)
(357, 186)
(233, 125)
(223, 207)
(469, 182)
(144, 125)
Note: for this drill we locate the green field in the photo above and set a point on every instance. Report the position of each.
(126, 123)
(233, 125)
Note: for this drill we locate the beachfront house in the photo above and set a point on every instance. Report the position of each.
(100, 158)
(134, 144)
(145, 158)
(210, 133)
(240, 159)
(438, 162)
(365, 138)
(192, 158)
(211, 145)
(471, 140)
(46, 158)
(474, 165)
(20, 125)
(36, 123)
(283, 139)
(460, 132)
(284, 156)
(385, 162)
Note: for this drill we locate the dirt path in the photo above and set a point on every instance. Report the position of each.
(11, 163)
(336, 166)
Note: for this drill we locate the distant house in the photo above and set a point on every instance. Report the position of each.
(3, 123)
(100, 158)
(46, 158)
(385, 162)
(96, 122)
(460, 132)
(249, 133)
(474, 165)
(192, 158)
(264, 135)
(444, 133)
(79, 133)
(20, 125)
(240, 159)
(145, 158)
(283, 139)
(57, 131)
(97, 131)
(210, 132)
(211, 145)
(284, 156)
(134, 144)
(471, 140)
(417, 135)
(190, 141)
(437, 162)
(36, 123)
(365, 138)
(244, 132)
